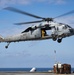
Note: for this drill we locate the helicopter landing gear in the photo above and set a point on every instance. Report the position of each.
(7, 45)
(59, 40)
(54, 37)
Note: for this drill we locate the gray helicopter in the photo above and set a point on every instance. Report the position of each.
(39, 31)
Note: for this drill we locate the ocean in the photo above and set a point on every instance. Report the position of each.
(26, 69)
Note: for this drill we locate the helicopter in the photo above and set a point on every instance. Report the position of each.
(39, 31)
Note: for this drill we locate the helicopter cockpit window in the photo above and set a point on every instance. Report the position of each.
(68, 26)
(65, 27)
(27, 30)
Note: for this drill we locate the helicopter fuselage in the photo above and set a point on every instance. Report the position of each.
(58, 31)
(27, 36)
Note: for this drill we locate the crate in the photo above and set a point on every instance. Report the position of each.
(62, 68)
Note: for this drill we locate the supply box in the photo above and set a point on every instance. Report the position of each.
(62, 68)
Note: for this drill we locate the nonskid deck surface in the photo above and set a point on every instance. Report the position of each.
(28, 73)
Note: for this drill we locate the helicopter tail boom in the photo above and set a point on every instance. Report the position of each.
(1, 39)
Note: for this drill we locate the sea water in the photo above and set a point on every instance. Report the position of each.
(25, 69)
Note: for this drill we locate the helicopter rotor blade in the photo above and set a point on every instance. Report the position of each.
(28, 22)
(70, 12)
(29, 14)
(22, 12)
(38, 17)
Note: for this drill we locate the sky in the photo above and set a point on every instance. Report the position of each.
(35, 53)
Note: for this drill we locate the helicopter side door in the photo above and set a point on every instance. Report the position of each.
(36, 33)
(43, 33)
